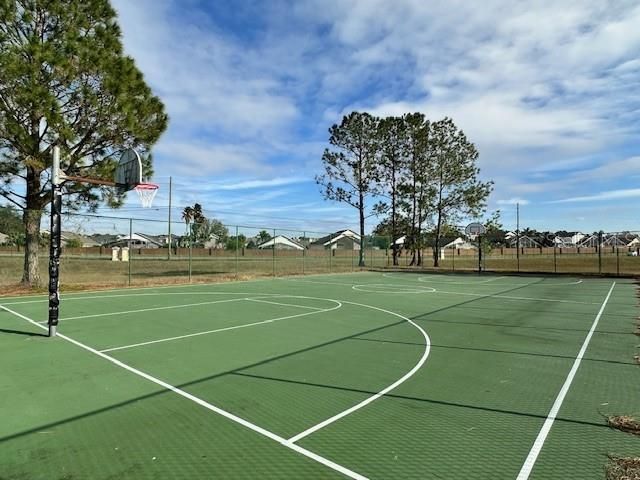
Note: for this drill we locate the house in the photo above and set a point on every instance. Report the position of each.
(524, 242)
(164, 239)
(568, 241)
(81, 240)
(280, 242)
(104, 238)
(401, 241)
(635, 243)
(617, 240)
(459, 243)
(4, 238)
(610, 240)
(137, 240)
(340, 240)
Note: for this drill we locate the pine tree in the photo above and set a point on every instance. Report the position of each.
(65, 80)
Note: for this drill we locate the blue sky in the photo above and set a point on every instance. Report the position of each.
(547, 90)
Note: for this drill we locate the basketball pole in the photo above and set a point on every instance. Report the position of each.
(55, 242)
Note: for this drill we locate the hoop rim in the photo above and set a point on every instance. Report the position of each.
(146, 186)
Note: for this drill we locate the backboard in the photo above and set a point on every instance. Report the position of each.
(128, 171)
(474, 229)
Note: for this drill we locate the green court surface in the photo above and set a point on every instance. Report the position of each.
(362, 375)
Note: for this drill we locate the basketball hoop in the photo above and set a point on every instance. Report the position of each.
(146, 192)
(473, 230)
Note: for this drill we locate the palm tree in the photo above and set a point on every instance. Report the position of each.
(188, 215)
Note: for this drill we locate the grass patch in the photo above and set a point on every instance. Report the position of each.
(623, 468)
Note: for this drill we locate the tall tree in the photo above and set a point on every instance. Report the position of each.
(392, 134)
(187, 216)
(454, 174)
(416, 187)
(350, 169)
(65, 80)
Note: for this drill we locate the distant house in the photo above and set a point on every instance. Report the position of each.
(524, 242)
(280, 242)
(616, 240)
(164, 239)
(568, 241)
(611, 240)
(459, 243)
(401, 241)
(82, 240)
(340, 240)
(634, 243)
(137, 240)
(104, 238)
(4, 238)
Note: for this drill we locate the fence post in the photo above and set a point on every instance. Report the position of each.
(237, 248)
(190, 252)
(130, 250)
(330, 250)
(618, 261)
(555, 264)
(600, 252)
(304, 250)
(273, 254)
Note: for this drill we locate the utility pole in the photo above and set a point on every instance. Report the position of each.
(518, 234)
(169, 229)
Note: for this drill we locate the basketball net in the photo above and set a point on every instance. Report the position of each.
(146, 192)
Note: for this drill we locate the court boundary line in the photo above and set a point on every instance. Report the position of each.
(223, 329)
(127, 295)
(256, 428)
(181, 285)
(530, 461)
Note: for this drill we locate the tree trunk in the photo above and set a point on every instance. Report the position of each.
(436, 243)
(31, 272)
(361, 209)
(394, 231)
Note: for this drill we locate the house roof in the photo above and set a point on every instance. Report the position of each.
(334, 237)
(459, 243)
(281, 240)
(86, 241)
(525, 239)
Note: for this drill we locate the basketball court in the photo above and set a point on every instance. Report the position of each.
(366, 375)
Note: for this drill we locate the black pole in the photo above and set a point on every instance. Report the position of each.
(55, 245)
(479, 253)
(518, 236)
(600, 252)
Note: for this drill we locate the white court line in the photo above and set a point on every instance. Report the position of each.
(153, 294)
(151, 309)
(530, 461)
(470, 294)
(511, 297)
(262, 431)
(284, 304)
(217, 330)
(386, 390)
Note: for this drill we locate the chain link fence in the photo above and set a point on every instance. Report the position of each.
(118, 251)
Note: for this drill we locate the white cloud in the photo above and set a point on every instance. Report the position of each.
(603, 196)
(513, 201)
(547, 90)
(252, 184)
